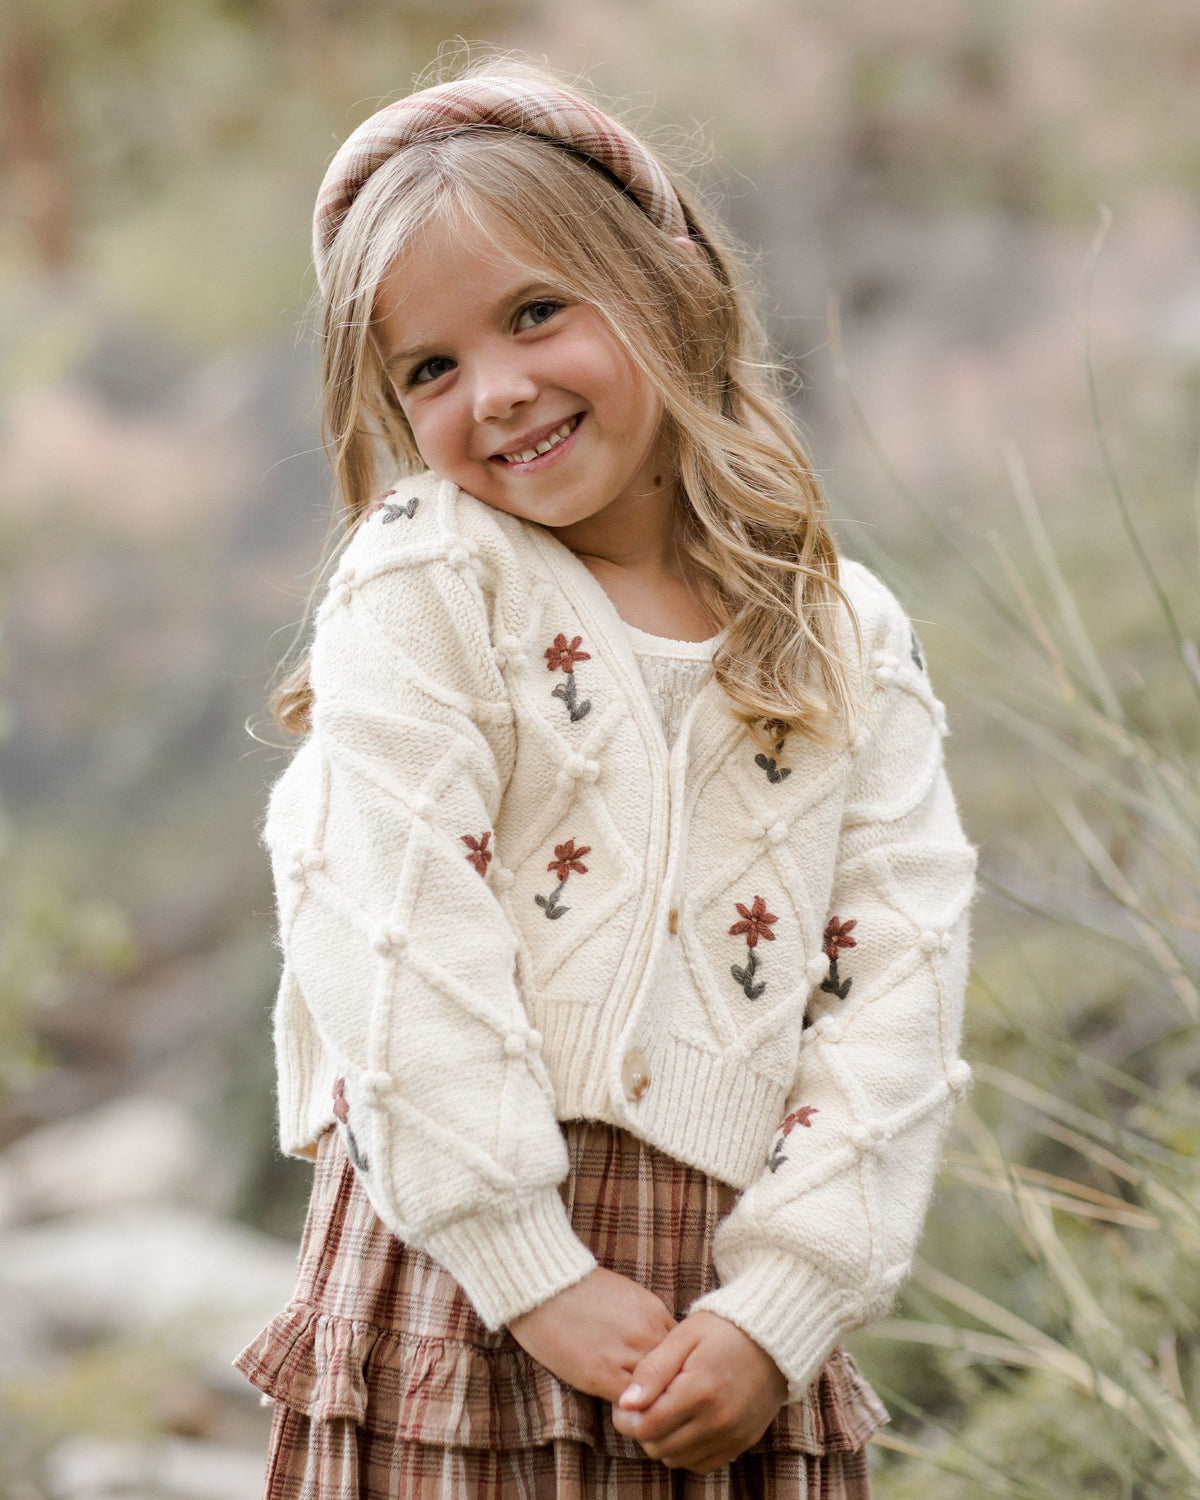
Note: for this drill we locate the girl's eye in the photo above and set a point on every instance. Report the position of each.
(430, 370)
(534, 313)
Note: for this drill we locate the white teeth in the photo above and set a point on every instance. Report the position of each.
(556, 437)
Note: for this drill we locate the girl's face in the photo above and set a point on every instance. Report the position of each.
(515, 390)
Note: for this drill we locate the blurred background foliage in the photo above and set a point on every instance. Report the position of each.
(976, 225)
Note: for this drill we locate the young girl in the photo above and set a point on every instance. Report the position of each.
(622, 896)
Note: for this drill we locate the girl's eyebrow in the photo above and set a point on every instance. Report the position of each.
(402, 356)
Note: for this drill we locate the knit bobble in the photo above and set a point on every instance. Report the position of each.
(578, 767)
(958, 1078)
(461, 553)
(533, 1040)
(508, 651)
(389, 941)
(341, 586)
(827, 1029)
(424, 806)
(777, 832)
(817, 968)
(934, 942)
(514, 1044)
(306, 860)
(870, 1140)
(375, 1088)
(502, 877)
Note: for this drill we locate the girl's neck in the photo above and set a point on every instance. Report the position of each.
(639, 567)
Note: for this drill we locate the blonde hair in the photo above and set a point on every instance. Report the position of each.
(752, 520)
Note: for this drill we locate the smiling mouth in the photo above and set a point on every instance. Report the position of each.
(521, 458)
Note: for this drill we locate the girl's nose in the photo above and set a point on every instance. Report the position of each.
(500, 387)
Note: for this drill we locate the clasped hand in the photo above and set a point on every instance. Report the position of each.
(695, 1394)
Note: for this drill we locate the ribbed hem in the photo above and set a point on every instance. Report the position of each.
(305, 1075)
(716, 1105)
(508, 1265)
(712, 1112)
(788, 1309)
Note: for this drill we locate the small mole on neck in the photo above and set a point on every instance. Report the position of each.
(658, 481)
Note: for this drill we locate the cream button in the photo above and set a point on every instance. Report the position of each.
(635, 1074)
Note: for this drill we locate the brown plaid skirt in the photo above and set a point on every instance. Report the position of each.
(387, 1384)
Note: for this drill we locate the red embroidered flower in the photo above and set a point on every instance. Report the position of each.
(755, 923)
(480, 854)
(376, 504)
(801, 1116)
(568, 858)
(340, 1108)
(562, 657)
(837, 936)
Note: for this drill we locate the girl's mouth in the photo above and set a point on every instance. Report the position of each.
(541, 453)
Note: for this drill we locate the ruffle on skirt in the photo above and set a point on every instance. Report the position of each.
(446, 1392)
(380, 1336)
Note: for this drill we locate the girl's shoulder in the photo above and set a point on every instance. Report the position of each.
(882, 619)
(425, 517)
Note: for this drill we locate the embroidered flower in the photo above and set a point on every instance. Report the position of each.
(561, 657)
(801, 1116)
(392, 512)
(755, 923)
(744, 974)
(376, 504)
(480, 855)
(568, 858)
(770, 763)
(340, 1108)
(837, 936)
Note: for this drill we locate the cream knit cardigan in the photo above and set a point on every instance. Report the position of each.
(503, 903)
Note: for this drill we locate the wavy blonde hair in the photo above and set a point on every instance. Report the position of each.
(753, 525)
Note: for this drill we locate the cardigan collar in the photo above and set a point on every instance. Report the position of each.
(592, 602)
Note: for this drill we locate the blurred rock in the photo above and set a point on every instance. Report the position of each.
(130, 1151)
(85, 1468)
(202, 1285)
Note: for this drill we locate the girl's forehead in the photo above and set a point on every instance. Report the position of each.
(455, 273)
(460, 246)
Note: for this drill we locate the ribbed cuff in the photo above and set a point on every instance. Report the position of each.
(788, 1309)
(508, 1265)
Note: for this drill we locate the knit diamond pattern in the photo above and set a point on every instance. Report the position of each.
(470, 1009)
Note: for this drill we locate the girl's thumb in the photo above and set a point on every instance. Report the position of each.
(655, 1372)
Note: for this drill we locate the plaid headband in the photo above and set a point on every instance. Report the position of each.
(511, 104)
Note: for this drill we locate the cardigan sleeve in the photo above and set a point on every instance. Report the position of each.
(819, 1243)
(398, 954)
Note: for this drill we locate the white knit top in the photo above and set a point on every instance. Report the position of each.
(673, 672)
(506, 902)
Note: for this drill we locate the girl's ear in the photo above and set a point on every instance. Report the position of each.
(685, 239)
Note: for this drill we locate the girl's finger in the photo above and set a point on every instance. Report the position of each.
(656, 1370)
(689, 1444)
